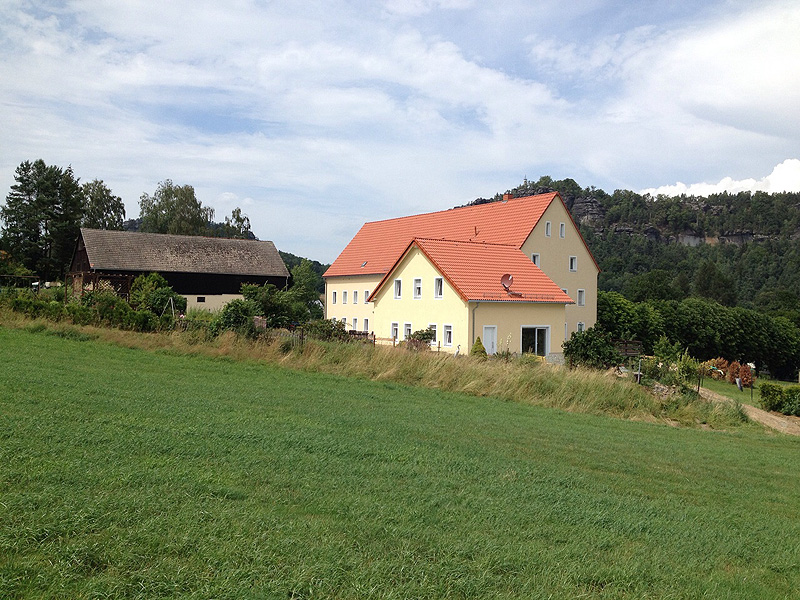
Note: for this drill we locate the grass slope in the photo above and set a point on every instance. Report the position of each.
(132, 474)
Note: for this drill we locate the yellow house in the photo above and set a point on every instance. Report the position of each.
(515, 272)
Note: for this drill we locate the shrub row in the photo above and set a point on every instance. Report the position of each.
(781, 399)
(104, 309)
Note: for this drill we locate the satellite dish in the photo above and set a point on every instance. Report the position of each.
(506, 281)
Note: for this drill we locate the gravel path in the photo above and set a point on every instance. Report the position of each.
(779, 422)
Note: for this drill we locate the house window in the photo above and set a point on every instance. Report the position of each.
(438, 287)
(366, 295)
(581, 297)
(201, 298)
(406, 331)
(398, 289)
(581, 326)
(366, 325)
(344, 322)
(565, 291)
(355, 324)
(355, 296)
(418, 288)
(562, 230)
(344, 297)
(535, 258)
(534, 340)
(333, 319)
(547, 228)
(333, 297)
(432, 327)
(573, 263)
(395, 330)
(448, 335)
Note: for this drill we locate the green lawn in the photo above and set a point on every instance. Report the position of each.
(133, 474)
(731, 391)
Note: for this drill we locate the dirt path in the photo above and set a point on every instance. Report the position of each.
(782, 423)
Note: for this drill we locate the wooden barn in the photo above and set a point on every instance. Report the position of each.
(208, 271)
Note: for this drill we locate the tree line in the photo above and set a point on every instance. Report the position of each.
(47, 205)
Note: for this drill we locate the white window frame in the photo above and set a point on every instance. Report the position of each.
(395, 331)
(565, 291)
(344, 296)
(573, 264)
(366, 296)
(562, 230)
(366, 325)
(432, 327)
(398, 289)
(355, 324)
(581, 298)
(355, 296)
(333, 297)
(581, 326)
(547, 228)
(547, 337)
(447, 335)
(417, 288)
(438, 287)
(535, 258)
(333, 319)
(407, 330)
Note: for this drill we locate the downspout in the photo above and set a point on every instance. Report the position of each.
(477, 304)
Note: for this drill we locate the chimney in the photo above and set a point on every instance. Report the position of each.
(506, 197)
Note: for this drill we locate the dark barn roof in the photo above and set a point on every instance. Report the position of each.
(154, 252)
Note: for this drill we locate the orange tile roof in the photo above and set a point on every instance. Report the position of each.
(378, 244)
(475, 270)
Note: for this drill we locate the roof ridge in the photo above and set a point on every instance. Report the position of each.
(456, 208)
(514, 246)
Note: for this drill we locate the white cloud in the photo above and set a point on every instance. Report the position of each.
(785, 177)
(361, 111)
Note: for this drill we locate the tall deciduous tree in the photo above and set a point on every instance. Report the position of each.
(174, 209)
(41, 217)
(102, 209)
(237, 225)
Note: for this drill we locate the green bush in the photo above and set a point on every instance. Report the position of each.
(771, 396)
(152, 292)
(80, 315)
(791, 401)
(236, 315)
(478, 349)
(592, 348)
(326, 329)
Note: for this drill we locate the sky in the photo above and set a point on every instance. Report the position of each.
(314, 117)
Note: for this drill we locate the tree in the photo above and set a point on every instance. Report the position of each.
(41, 217)
(101, 208)
(236, 226)
(592, 348)
(174, 209)
(305, 283)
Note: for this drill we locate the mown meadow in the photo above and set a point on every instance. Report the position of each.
(132, 473)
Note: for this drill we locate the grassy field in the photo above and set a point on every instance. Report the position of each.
(146, 474)
(731, 391)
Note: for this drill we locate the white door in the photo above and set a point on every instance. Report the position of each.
(490, 338)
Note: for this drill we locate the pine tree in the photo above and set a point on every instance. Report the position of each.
(41, 218)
